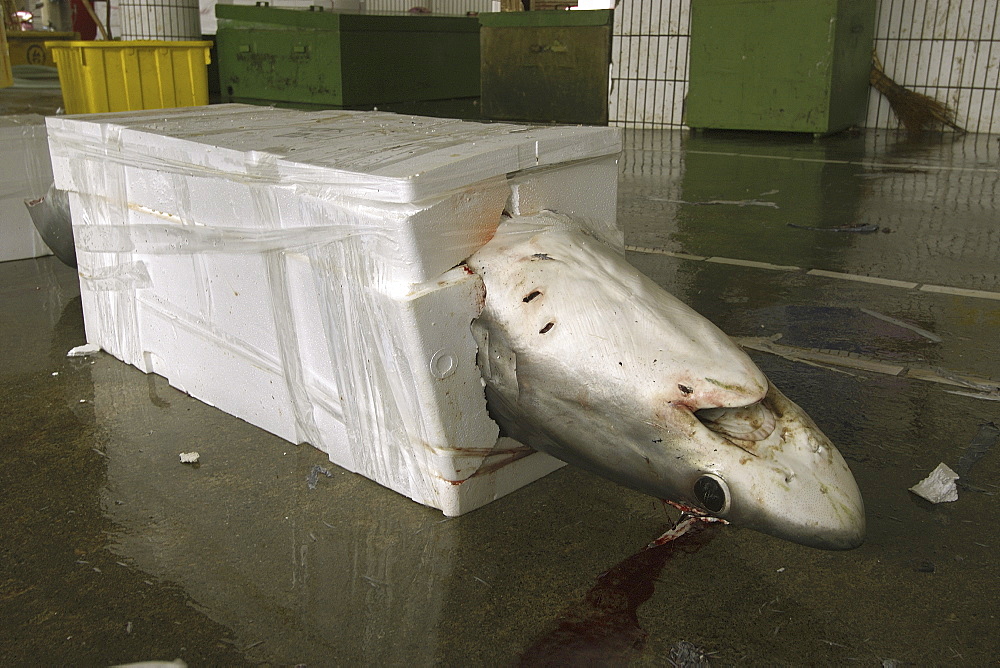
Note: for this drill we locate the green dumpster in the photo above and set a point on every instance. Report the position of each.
(334, 60)
(780, 65)
(546, 66)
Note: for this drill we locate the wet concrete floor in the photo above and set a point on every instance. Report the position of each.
(112, 551)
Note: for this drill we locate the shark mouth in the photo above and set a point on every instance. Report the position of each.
(754, 422)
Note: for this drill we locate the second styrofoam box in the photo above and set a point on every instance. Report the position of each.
(303, 271)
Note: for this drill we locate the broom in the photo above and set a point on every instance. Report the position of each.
(916, 112)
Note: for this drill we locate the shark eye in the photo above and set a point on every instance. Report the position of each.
(712, 493)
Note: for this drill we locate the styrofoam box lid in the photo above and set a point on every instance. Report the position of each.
(370, 155)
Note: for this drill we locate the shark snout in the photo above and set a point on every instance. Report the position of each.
(821, 508)
(790, 481)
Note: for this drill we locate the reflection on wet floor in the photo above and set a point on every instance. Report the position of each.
(933, 203)
(114, 551)
(43, 101)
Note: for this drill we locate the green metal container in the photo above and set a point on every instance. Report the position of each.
(333, 60)
(782, 65)
(546, 66)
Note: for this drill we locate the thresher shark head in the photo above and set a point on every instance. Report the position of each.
(589, 360)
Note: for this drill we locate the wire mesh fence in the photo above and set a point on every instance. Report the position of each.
(436, 7)
(649, 70)
(159, 19)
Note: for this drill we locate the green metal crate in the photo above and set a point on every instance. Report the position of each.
(546, 66)
(333, 60)
(781, 65)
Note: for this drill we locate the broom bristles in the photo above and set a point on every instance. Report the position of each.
(916, 112)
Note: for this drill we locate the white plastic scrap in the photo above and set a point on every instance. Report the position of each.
(939, 486)
(189, 457)
(84, 350)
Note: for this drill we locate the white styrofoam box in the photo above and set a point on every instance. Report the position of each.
(25, 173)
(559, 189)
(303, 271)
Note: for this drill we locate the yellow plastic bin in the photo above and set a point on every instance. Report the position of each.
(131, 75)
(6, 77)
(27, 47)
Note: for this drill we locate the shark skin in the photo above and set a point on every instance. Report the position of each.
(587, 359)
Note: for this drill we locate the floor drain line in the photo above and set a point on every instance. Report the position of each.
(977, 387)
(858, 278)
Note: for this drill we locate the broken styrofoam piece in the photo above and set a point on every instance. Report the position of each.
(189, 457)
(939, 486)
(302, 271)
(84, 350)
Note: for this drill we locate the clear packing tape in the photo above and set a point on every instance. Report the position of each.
(330, 281)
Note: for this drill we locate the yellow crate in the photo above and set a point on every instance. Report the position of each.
(131, 75)
(27, 47)
(6, 77)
